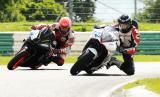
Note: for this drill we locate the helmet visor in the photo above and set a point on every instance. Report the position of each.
(64, 30)
(123, 26)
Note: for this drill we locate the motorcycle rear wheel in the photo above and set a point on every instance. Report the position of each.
(89, 72)
(35, 67)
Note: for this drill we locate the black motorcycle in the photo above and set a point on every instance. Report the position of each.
(34, 51)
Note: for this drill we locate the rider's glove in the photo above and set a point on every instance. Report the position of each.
(38, 27)
(33, 27)
(56, 51)
(131, 50)
(122, 50)
(53, 50)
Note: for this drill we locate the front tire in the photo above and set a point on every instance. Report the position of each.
(82, 62)
(17, 60)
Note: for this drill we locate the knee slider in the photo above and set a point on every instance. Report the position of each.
(127, 70)
(60, 62)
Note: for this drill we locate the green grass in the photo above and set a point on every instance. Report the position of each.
(72, 59)
(18, 26)
(152, 84)
(149, 27)
(25, 26)
(144, 58)
(4, 59)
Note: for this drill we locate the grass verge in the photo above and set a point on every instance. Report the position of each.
(152, 84)
(72, 59)
(5, 59)
(25, 26)
(144, 58)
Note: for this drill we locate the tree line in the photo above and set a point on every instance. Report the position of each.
(83, 10)
(151, 12)
(21, 10)
(30, 10)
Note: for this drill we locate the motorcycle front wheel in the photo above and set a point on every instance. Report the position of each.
(17, 60)
(81, 63)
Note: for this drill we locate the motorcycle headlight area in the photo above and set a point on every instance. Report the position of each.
(33, 34)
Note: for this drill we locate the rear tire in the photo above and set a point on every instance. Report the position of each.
(82, 62)
(89, 72)
(17, 60)
(35, 67)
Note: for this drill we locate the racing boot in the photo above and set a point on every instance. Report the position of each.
(58, 60)
(114, 61)
(47, 60)
(128, 68)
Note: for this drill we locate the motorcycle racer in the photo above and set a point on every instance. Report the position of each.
(129, 40)
(64, 39)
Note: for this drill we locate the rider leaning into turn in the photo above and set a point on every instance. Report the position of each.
(129, 40)
(64, 39)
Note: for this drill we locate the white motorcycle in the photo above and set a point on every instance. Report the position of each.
(98, 51)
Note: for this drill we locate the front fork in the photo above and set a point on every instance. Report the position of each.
(92, 54)
(94, 51)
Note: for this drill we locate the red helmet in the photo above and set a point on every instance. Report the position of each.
(65, 24)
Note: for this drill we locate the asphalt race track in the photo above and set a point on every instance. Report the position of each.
(55, 81)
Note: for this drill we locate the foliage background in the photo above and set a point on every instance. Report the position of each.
(151, 12)
(31, 10)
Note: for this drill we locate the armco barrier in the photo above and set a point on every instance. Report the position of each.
(149, 44)
(6, 43)
(10, 43)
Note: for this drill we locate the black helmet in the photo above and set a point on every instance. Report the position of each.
(124, 20)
